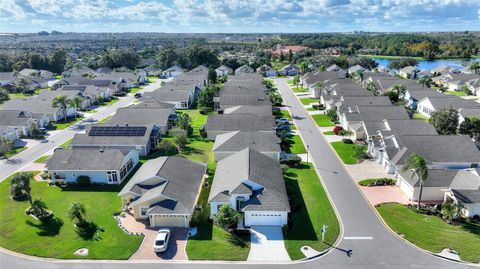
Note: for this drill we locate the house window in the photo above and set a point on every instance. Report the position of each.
(183, 104)
(112, 176)
(143, 211)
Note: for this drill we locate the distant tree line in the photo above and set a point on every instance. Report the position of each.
(55, 61)
(188, 57)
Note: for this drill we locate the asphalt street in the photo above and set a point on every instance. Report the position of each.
(365, 243)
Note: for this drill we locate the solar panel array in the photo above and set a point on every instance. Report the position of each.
(117, 131)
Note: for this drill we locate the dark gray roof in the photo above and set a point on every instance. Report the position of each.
(170, 185)
(236, 99)
(152, 104)
(438, 148)
(455, 102)
(468, 179)
(13, 118)
(50, 95)
(467, 196)
(238, 140)
(440, 178)
(86, 159)
(350, 101)
(420, 93)
(411, 127)
(243, 89)
(250, 165)
(469, 112)
(248, 110)
(35, 105)
(132, 116)
(376, 113)
(228, 123)
(168, 95)
(98, 141)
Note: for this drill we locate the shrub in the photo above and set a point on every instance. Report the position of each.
(347, 141)
(337, 129)
(203, 110)
(83, 181)
(284, 168)
(359, 152)
(167, 148)
(377, 182)
(241, 232)
(291, 161)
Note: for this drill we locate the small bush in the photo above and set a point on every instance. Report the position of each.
(377, 182)
(203, 110)
(83, 181)
(241, 232)
(347, 141)
(337, 129)
(292, 161)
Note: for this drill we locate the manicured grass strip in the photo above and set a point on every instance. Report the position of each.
(105, 119)
(61, 125)
(460, 93)
(14, 151)
(22, 233)
(345, 151)
(311, 109)
(152, 79)
(296, 145)
(111, 101)
(134, 90)
(329, 133)
(42, 159)
(432, 233)
(322, 120)
(290, 82)
(283, 114)
(418, 116)
(314, 212)
(298, 89)
(66, 144)
(307, 101)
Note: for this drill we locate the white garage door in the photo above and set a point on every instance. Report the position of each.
(264, 219)
(169, 221)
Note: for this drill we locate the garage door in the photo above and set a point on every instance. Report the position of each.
(168, 221)
(261, 219)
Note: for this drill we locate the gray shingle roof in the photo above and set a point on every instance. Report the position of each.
(350, 101)
(250, 165)
(13, 118)
(168, 96)
(237, 99)
(455, 102)
(467, 196)
(86, 159)
(228, 123)
(248, 110)
(237, 141)
(87, 140)
(375, 113)
(35, 105)
(132, 116)
(169, 184)
(436, 178)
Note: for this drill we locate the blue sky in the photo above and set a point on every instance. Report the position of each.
(238, 15)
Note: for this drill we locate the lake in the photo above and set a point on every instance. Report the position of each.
(430, 64)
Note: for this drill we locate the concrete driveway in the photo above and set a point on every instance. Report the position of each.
(267, 244)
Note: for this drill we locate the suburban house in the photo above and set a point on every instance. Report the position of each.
(356, 69)
(21, 121)
(266, 70)
(457, 81)
(92, 92)
(173, 71)
(161, 118)
(409, 72)
(140, 137)
(440, 151)
(103, 70)
(289, 70)
(82, 71)
(384, 82)
(9, 133)
(125, 80)
(465, 189)
(220, 124)
(227, 100)
(105, 166)
(75, 80)
(164, 191)
(329, 97)
(223, 71)
(181, 99)
(375, 130)
(27, 72)
(7, 79)
(350, 102)
(464, 113)
(443, 70)
(351, 119)
(247, 110)
(252, 184)
(428, 105)
(244, 69)
(280, 49)
(51, 95)
(414, 94)
(230, 143)
(40, 106)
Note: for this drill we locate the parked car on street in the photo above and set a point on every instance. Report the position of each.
(138, 95)
(282, 121)
(161, 240)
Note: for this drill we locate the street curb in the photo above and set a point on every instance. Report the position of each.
(380, 217)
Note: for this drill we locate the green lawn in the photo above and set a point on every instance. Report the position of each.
(22, 233)
(295, 145)
(345, 151)
(134, 90)
(432, 233)
(290, 82)
(329, 133)
(307, 101)
(314, 212)
(14, 151)
(283, 114)
(152, 79)
(459, 93)
(66, 144)
(42, 159)
(211, 243)
(418, 116)
(298, 89)
(61, 124)
(111, 101)
(312, 109)
(322, 120)
(105, 119)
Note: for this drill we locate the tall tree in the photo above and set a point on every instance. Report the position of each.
(226, 217)
(58, 60)
(398, 64)
(75, 102)
(212, 76)
(77, 211)
(417, 164)
(445, 121)
(167, 57)
(63, 103)
(425, 82)
(475, 67)
(23, 85)
(470, 126)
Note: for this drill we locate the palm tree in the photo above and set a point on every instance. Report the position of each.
(372, 88)
(418, 165)
(399, 89)
(77, 211)
(20, 184)
(62, 102)
(38, 207)
(425, 81)
(75, 102)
